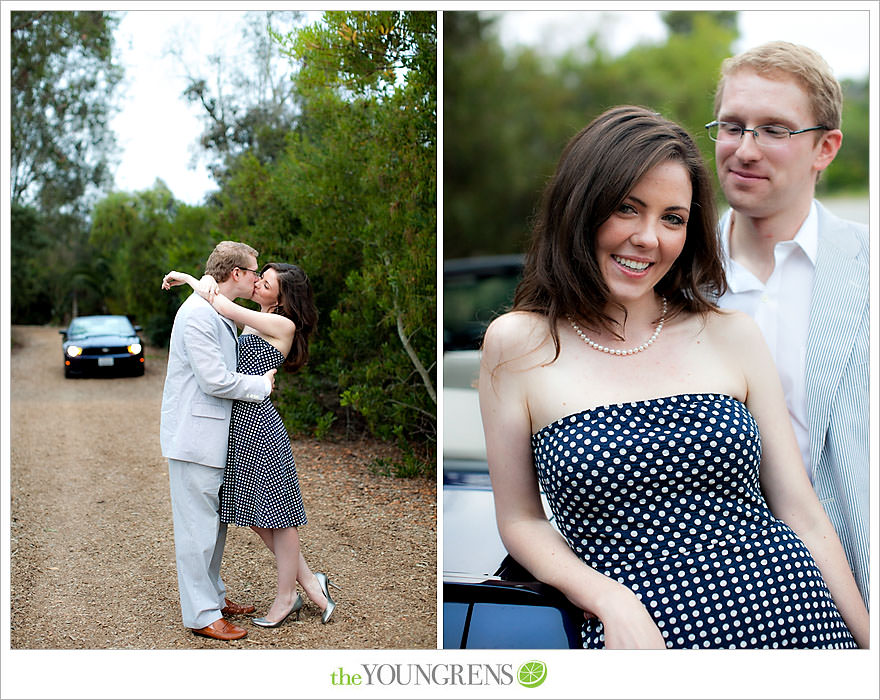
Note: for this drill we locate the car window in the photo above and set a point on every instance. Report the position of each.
(474, 293)
(105, 325)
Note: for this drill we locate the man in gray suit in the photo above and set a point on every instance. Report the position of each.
(799, 271)
(200, 384)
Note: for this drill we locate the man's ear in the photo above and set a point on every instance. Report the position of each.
(827, 149)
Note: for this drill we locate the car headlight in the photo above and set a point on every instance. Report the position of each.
(134, 348)
(74, 351)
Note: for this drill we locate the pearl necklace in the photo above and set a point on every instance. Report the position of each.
(631, 351)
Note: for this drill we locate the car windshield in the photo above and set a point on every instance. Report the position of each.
(99, 325)
(475, 291)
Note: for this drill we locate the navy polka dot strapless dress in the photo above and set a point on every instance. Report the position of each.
(260, 484)
(663, 496)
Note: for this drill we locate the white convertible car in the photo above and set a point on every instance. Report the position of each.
(489, 601)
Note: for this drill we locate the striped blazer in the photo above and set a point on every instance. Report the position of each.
(836, 383)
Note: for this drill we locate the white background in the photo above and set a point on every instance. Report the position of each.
(306, 674)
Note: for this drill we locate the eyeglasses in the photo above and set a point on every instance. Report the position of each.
(766, 135)
(256, 272)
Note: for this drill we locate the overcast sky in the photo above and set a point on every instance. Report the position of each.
(159, 131)
(156, 128)
(840, 35)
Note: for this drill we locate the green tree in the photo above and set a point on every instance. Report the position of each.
(686, 21)
(498, 131)
(678, 78)
(138, 238)
(30, 247)
(249, 103)
(508, 113)
(849, 170)
(62, 79)
(361, 178)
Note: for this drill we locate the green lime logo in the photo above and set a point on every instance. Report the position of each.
(531, 674)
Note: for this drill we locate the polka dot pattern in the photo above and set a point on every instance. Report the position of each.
(663, 496)
(260, 485)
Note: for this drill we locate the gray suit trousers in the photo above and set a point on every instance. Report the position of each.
(199, 538)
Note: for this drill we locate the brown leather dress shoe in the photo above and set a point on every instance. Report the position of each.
(236, 609)
(223, 630)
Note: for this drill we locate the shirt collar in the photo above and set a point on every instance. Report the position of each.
(807, 238)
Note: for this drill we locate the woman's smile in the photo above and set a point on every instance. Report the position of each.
(632, 266)
(638, 244)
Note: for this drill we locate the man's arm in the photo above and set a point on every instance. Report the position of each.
(206, 358)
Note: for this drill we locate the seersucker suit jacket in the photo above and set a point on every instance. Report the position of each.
(836, 383)
(200, 384)
(837, 375)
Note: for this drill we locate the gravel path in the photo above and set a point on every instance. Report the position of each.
(91, 536)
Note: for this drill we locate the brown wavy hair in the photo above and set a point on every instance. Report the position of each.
(597, 170)
(296, 301)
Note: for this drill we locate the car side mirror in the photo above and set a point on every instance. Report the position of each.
(138, 329)
(63, 332)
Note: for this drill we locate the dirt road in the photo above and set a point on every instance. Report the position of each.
(91, 536)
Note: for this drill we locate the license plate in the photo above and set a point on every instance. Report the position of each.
(105, 362)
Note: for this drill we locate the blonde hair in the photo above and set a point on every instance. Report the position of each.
(781, 58)
(226, 256)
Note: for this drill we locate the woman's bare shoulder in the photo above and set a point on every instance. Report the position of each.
(515, 335)
(515, 327)
(733, 329)
(517, 322)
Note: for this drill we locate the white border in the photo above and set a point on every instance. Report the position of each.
(306, 674)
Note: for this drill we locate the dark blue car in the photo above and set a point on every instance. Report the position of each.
(489, 601)
(102, 345)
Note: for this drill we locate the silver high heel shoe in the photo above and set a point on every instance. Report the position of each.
(325, 584)
(297, 606)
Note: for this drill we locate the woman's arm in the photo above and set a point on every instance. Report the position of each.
(522, 523)
(269, 325)
(175, 278)
(785, 483)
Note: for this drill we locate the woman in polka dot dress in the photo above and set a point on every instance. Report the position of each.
(260, 485)
(654, 422)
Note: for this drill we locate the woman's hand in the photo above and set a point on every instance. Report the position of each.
(173, 279)
(207, 288)
(627, 623)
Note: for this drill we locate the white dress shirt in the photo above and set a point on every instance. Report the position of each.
(781, 308)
